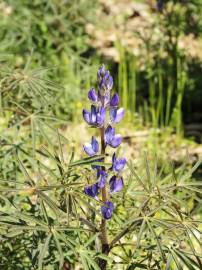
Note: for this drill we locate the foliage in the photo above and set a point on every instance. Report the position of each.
(53, 33)
(49, 53)
(47, 222)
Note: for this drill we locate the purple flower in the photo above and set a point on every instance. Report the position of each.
(116, 114)
(105, 80)
(102, 178)
(114, 100)
(101, 72)
(102, 102)
(115, 184)
(112, 139)
(91, 148)
(118, 164)
(107, 210)
(95, 117)
(95, 98)
(92, 190)
(92, 95)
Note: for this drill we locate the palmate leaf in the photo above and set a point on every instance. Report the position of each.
(139, 236)
(133, 172)
(187, 260)
(43, 250)
(87, 260)
(31, 83)
(158, 242)
(25, 172)
(91, 240)
(69, 241)
(84, 262)
(59, 248)
(191, 245)
(52, 205)
(169, 262)
(176, 260)
(17, 216)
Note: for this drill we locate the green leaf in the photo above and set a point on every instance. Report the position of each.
(175, 258)
(169, 262)
(87, 160)
(136, 176)
(187, 260)
(157, 240)
(148, 178)
(142, 227)
(55, 235)
(52, 205)
(43, 250)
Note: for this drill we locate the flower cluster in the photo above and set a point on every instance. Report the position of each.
(103, 102)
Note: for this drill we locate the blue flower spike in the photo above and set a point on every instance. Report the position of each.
(102, 102)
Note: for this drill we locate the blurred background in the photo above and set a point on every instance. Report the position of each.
(152, 48)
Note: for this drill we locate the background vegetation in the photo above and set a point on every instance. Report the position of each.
(50, 51)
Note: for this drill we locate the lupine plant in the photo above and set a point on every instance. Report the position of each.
(103, 102)
(57, 212)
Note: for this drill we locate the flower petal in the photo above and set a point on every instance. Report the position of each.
(116, 141)
(86, 116)
(101, 71)
(88, 149)
(109, 134)
(101, 116)
(92, 190)
(114, 100)
(116, 185)
(95, 144)
(102, 179)
(107, 99)
(107, 210)
(119, 164)
(114, 158)
(116, 114)
(92, 95)
(106, 82)
(93, 115)
(109, 83)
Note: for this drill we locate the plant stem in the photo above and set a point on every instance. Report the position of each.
(104, 193)
(103, 228)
